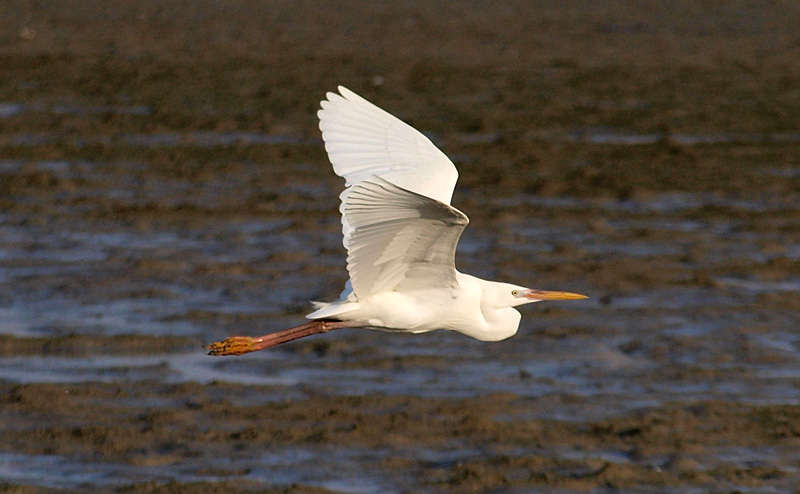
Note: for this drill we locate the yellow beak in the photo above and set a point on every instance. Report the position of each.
(545, 295)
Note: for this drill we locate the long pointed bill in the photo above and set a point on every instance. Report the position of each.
(545, 295)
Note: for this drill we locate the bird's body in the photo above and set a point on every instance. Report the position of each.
(462, 308)
(400, 232)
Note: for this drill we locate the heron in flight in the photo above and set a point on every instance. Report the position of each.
(400, 232)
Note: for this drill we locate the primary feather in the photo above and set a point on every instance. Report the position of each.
(363, 141)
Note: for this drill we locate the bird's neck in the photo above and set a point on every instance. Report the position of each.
(500, 322)
(504, 323)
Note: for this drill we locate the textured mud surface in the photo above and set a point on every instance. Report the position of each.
(163, 184)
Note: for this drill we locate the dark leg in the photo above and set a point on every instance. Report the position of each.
(239, 345)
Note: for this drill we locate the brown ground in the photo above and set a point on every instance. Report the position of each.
(190, 127)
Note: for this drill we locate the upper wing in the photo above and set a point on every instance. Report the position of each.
(400, 239)
(364, 141)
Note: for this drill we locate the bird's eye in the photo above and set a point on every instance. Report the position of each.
(515, 292)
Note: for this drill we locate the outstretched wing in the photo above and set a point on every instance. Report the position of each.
(400, 240)
(364, 141)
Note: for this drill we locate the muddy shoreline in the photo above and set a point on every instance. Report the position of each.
(163, 184)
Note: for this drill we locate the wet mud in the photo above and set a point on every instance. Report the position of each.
(163, 185)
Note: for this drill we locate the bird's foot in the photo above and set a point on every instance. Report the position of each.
(235, 345)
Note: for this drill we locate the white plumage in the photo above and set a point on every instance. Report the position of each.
(364, 141)
(400, 232)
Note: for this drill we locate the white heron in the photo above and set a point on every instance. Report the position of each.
(400, 232)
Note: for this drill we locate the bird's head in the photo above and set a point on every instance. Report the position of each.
(499, 295)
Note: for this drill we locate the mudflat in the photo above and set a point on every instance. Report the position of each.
(163, 184)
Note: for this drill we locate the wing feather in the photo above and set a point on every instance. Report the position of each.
(363, 140)
(400, 240)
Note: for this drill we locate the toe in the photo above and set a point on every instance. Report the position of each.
(235, 345)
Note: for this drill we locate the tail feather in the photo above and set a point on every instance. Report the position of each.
(333, 310)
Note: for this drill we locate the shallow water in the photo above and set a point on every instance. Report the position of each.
(158, 182)
(623, 350)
